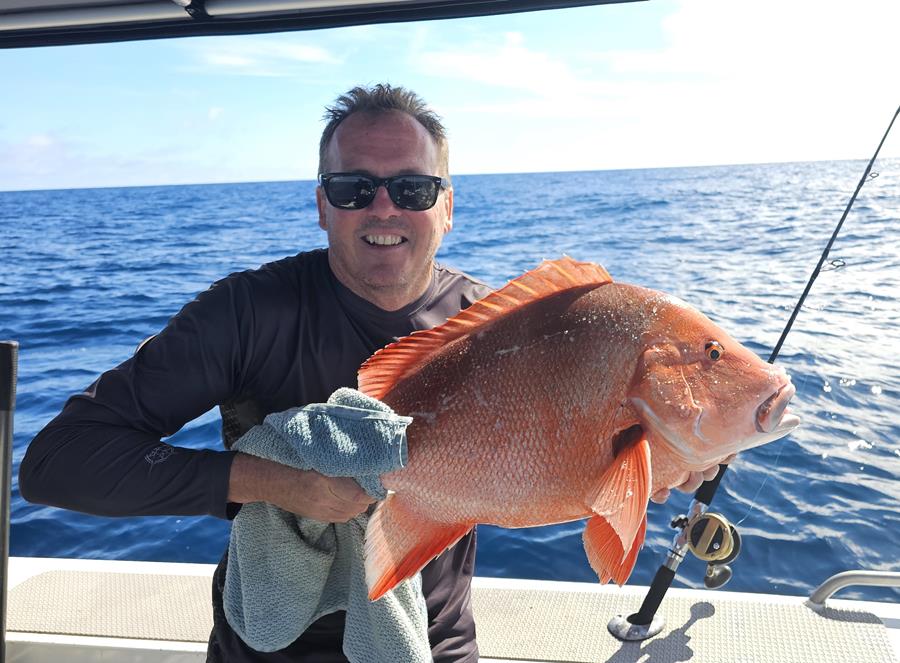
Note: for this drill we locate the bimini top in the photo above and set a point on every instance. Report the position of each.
(26, 23)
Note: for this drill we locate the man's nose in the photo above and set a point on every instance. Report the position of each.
(382, 205)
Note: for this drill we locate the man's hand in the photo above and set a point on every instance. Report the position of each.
(303, 492)
(693, 481)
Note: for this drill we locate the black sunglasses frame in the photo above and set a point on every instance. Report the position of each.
(440, 182)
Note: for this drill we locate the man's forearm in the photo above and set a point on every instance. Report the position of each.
(117, 471)
(256, 479)
(303, 492)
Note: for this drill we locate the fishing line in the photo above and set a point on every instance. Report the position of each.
(862, 180)
(834, 264)
(776, 464)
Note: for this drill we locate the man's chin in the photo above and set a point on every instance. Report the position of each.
(392, 275)
(397, 289)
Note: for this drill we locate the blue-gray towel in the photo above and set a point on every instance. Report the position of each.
(284, 571)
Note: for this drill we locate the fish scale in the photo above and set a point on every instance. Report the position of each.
(530, 418)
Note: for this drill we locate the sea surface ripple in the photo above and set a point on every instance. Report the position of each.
(87, 274)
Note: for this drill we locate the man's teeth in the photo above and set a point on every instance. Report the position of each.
(383, 240)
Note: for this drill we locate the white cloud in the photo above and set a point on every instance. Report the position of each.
(509, 64)
(53, 161)
(254, 56)
(774, 80)
(215, 113)
(228, 60)
(40, 141)
(769, 81)
(48, 159)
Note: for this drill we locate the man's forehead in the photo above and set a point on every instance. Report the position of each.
(362, 125)
(382, 136)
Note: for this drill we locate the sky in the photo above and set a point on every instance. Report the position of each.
(636, 85)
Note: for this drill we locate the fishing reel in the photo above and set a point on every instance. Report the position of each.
(714, 540)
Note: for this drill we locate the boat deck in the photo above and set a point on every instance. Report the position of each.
(91, 610)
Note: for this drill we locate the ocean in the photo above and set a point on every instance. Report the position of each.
(87, 274)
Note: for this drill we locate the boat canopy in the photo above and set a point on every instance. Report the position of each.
(25, 23)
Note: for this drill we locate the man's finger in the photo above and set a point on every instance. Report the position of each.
(332, 514)
(693, 482)
(342, 517)
(660, 496)
(347, 490)
(710, 473)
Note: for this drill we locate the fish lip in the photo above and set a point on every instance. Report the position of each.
(772, 415)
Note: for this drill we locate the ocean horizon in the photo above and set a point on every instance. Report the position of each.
(454, 175)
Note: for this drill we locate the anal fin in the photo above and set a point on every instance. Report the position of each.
(399, 543)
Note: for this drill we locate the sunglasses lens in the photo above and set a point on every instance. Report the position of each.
(414, 192)
(349, 191)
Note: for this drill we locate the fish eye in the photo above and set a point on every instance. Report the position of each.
(714, 350)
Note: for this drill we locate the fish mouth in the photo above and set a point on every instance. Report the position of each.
(773, 416)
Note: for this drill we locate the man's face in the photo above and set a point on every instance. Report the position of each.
(363, 248)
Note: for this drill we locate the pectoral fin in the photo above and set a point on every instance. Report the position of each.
(604, 550)
(615, 533)
(399, 543)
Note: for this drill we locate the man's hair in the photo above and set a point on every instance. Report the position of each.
(380, 99)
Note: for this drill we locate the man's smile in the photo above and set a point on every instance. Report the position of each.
(384, 240)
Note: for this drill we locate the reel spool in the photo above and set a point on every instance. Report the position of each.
(716, 541)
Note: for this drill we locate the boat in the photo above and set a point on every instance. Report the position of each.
(96, 610)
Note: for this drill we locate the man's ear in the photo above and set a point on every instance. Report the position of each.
(320, 204)
(448, 201)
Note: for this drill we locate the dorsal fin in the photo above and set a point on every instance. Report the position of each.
(388, 366)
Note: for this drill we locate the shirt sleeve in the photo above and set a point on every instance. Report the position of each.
(103, 453)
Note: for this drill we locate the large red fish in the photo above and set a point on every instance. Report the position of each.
(561, 396)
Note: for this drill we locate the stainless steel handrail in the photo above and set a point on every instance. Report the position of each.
(851, 578)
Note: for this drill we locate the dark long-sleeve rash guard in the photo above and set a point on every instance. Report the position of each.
(257, 342)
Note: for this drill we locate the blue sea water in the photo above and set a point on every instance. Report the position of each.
(87, 274)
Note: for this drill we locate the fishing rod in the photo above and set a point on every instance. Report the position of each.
(709, 535)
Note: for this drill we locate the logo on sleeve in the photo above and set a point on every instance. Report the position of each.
(159, 454)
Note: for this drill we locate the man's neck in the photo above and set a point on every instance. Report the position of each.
(388, 298)
(391, 301)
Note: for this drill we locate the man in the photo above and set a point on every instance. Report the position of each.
(262, 341)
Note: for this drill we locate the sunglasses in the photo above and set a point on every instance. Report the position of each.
(356, 191)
